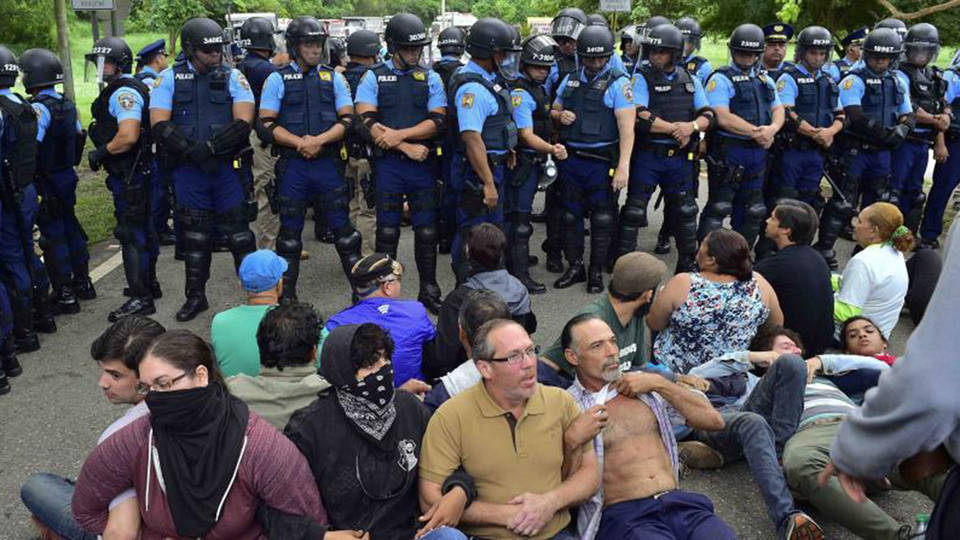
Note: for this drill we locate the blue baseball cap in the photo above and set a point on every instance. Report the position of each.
(151, 49)
(261, 270)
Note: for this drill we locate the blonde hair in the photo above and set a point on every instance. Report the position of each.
(888, 220)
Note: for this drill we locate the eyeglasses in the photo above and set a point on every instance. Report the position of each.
(516, 357)
(162, 387)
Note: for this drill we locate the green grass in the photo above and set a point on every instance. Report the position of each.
(94, 205)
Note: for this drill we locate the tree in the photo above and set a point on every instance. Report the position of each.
(169, 16)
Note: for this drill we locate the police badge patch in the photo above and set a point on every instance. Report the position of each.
(324, 76)
(516, 100)
(781, 85)
(628, 92)
(126, 101)
(711, 85)
(420, 75)
(466, 101)
(848, 84)
(156, 82)
(242, 81)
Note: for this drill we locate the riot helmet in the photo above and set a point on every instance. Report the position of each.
(257, 33)
(896, 25)
(882, 43)
(595, 42)
(691, 32)
(452, 41)
(746, 38)
(202, 34)
(815, 38)
(9, 68)
(568, 24)
(489, 36)
(922, 44)
(110, 50)
(305, 30)
(540, 50)
(363, 43)
(403, 31)
(643, 31)
(40, 68)
(597, 19)
(666, 37)
(336, 51)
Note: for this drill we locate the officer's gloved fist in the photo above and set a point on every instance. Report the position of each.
(95, 158)
(201, 152)
(896, 135)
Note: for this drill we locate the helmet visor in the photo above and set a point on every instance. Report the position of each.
(921, 53)
(99, 62)
(510, 66)
(566, 27)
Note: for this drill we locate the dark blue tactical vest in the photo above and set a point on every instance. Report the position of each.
(445, 68)
(256, 69)
(104, 128)
(752, 97)
(566, 65)
(843, 67)
(401, 97)
(927, 87)
(882, 96)
(201, 101)
(595, 121)
(629, 62)
(671, 100)
(816, 97)
(353, 74)
(499, 130)
(18, 142)
(953, 133)
(775, 74)
(693, 65)
(309, 104)
(142, 76)
(542, 125)
(58, 149)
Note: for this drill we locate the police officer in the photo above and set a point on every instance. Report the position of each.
(338, 53)
(531, 112)
(946, 173)
(927, 94)
(402, 106)
(672, 110)
(363, 48)
(896, 25)
(482, 105)
(629, 47)
(201, 111)
(595, 109)
(775, 38)
(20, 269)
(643, 31)
(452, 43)
(151, 60)
(695, 64)
(123, 146)
(61, 138)
(878, 118)
(849, 54)
(749, 115)
(306, 109)
(256, 38)
(9, 365)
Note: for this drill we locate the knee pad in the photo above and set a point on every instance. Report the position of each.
(426, 234)
(423, 201)
(194, 218)
(347, 241)
(288, 245)
(523, 229)
(685, 206)
(389, 202)
(785, 192)
(194, 240)
(122, 232)
(389, 235)
(291, 208)
(634, 212)
(918, 200)
(718, 208)
(603, 219)
(756, 210)
(196, 258)
(242, 241)
(569, 219)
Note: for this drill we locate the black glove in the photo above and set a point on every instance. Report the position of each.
(201, 152)
(229, 139)
(95, 158)
(895, 136)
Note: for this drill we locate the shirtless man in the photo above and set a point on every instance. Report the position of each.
(628, 418)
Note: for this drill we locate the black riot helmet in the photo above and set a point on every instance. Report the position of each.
(405, 30)
(746, 38)
(336, 51)
(691, 31)
(597, 19)
(922, 44)
(9, 68)
(452, 41)
(815, 38)
(643, 31)
(666, 37)
(539, 50)
(595, 42)
(568, 24)
(113, 50)
(896, 25)
(487, 36)
(363, 43)
(304, 29)
(40, 68)
(882, 43)
(201, 33)
(628, 34)
(257, 33)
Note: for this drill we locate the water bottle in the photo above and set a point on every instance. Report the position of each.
(920, 528)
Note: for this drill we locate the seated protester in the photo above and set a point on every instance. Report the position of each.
(376, 281)
(799, 274)
(201, 463)
(480, 306)
(363, 440)
(47, 496)
(923, 272)
(874, 283)
(521, 491)
(485, 248)
(758, 426)
(717, 310)
(233, 332)
(288, 378)
(808, 451)
(630, 292)
(636, 450)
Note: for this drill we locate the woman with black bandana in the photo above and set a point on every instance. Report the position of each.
(362, 441)
(201, 462)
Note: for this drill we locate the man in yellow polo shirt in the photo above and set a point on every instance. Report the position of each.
(507, 432)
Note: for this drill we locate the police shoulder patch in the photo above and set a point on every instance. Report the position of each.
(628, 92)
(243, 82)
(516, 100)
(325, 76)
(466, 100)
(156, 82)
(126, 101)
(711, 85)
(848, 83)
(420, 75)
(781, 84)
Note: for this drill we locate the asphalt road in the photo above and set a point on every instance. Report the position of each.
(55, 412)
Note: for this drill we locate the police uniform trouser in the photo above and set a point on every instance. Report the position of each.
(519, 188)
(304, 182)
(799, 177)
(267, 224)
(908, 164)
(134, 204)
(674, 175)
(62, 239)
(946, 177)
(20, 267)
(585, 184)
(398, 178)
(362, 216)
(735, 174)
(202, 200)
(447, 219)
(470, 208)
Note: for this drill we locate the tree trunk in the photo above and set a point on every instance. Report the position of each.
(63, 45)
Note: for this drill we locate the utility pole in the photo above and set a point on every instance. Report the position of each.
(63, 44)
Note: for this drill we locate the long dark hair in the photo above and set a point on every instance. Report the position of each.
(731, 252)
(187, 351)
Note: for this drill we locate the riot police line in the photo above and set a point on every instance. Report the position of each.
(463, 142)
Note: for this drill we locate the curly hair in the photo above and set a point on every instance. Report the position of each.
(369, 343)
(288, 334)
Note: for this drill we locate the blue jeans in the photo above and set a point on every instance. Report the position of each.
(444, 533)
(672, 515)
(47, 496)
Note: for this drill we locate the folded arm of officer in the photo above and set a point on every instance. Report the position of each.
(719, 85)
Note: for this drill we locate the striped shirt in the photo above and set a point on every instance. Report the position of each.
(822, 399)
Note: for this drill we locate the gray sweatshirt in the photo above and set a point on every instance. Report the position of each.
(916, 405)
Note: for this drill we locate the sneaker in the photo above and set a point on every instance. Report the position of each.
(800, 526)
(698, 455)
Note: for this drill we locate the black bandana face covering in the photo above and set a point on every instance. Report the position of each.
(368, 403)
(377, 387)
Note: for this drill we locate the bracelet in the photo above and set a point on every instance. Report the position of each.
(696, 126)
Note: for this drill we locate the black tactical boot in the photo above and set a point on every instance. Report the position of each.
(134, 306)
(574, 274)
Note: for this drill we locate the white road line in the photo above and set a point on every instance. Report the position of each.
(106, 267)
